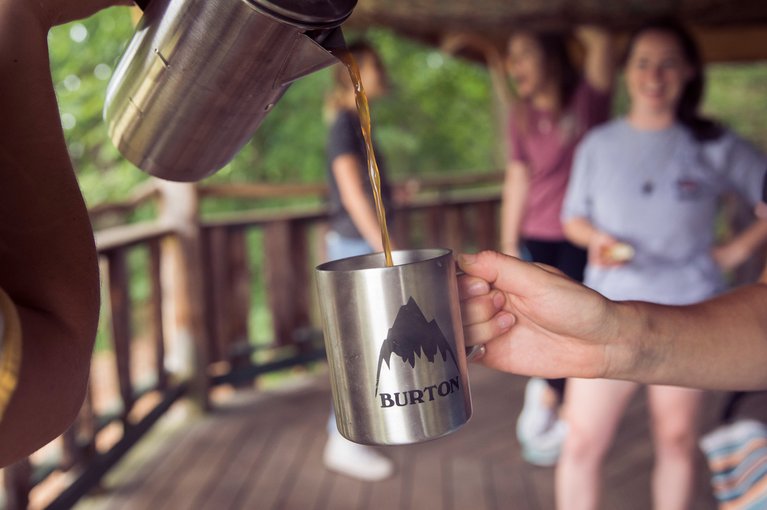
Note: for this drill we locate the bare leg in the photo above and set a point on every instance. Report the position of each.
(593, 408)
(675, 429)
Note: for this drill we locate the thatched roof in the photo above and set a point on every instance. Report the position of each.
(731, 29)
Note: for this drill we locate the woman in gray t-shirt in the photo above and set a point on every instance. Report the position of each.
(651, 182)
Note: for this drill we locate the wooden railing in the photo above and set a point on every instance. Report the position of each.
(191, 327)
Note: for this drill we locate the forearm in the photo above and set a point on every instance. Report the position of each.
(579, 231)
(599, 64)
(717, 344)
(751, 239)
(48, 261)
(515, 189)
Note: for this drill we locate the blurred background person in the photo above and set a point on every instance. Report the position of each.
(556, 106)
(354, 228)
(643, 200)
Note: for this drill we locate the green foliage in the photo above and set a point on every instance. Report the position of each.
(737, 95)
(83, 55)
(438, 117)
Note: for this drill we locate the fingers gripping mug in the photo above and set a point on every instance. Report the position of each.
(395, 346)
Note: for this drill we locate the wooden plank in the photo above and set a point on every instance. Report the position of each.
(183, 287)
(389, 493)
(452, 228)
(120, 307)
(487, 233)
(245, 465)
(253, 191)
(17, 480)
(278, 278)
(155, 298)
(465, 480)
(402, 228)
(287, 278)
(289, 447)
(310, 475)
(265, 452)
(256, 191)
(425, 479)
(434, 222)
(347, 493)
(212, 452)
(509, 491)
(302, 283)
(130, 235)
(148, 485)
(238, 335)
(218, 297)
(733, 44)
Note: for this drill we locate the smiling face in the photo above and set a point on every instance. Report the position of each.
(526, 65)
(656, 74)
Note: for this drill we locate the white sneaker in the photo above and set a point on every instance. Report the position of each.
(535, 418)
(356, 460)
(539, 430)
(543, 450)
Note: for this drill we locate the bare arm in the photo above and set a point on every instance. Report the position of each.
(350, 187)
(535, 321)
(48, 261)
(717, 344)
(581, 232)
(599, 64)
(742, 246)
(515, 188)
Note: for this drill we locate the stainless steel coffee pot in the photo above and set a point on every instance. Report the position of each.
(199, 76)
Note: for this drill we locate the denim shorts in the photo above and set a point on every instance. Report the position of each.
(340, 247)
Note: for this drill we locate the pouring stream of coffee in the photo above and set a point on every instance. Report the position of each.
(363, 111)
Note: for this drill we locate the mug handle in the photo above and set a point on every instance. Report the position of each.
(474, 351)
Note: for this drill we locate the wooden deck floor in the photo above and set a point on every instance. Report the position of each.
(262, 450)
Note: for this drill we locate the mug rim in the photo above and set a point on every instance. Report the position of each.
(358, 263)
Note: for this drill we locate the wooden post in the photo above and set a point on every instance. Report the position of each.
(120, 306)
(287, 281)
(183, 298)
(238, 337)
(17, 479)
(434, 226)
(453, 228)
(218, 291)
(228, 286)
(155, 276)
(402, 234)
(80, 438)
(486, 217)
(303, 283)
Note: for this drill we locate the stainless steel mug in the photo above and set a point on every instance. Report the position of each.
(199, 76)
(395, 346)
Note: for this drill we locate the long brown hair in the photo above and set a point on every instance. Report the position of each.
(702, 129)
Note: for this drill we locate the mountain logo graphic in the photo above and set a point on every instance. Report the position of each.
(412, 336)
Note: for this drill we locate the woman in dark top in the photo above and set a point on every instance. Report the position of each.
(354, 226)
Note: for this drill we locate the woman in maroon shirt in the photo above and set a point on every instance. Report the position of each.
(556, 106)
